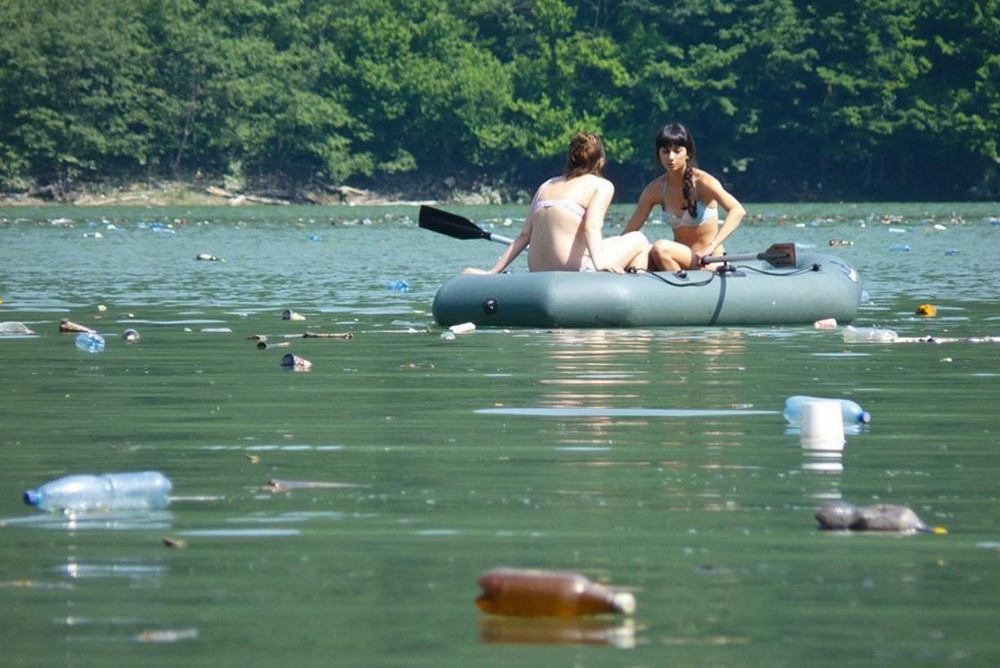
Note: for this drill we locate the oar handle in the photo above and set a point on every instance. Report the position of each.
(779, 255)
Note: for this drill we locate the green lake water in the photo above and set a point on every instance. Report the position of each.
(656, 460)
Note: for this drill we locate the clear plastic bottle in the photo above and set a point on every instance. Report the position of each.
(868, 334)
(11, 327)
(536, 593)
(90, 342)
(144, 490)
(852, 412)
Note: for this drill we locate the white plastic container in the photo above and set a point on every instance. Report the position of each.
(822, 425)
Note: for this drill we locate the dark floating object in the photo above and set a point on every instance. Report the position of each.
(844, 516)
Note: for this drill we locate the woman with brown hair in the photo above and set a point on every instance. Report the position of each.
(562, 231)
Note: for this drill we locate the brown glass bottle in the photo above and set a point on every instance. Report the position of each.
(536, 593)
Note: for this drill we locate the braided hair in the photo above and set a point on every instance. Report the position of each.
(673, 136)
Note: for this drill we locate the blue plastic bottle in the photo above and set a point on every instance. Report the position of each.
(852, 412)
(90, 342)
(144, 490)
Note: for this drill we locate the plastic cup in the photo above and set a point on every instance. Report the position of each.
(822, 425)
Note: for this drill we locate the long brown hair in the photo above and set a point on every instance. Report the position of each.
(676, 135)
(585, 155)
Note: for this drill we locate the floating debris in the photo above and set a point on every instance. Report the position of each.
(844, 516)
(166, 636)
(70, 326)
(295, 363)
(286, 485)
(321, 335)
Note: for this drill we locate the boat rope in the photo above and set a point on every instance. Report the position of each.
(682, 275)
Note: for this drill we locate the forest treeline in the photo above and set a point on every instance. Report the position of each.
(788, 99)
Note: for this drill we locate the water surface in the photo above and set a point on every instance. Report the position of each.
(652, 459)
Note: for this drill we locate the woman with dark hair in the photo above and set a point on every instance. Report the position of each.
(689, 200)
(562, 231)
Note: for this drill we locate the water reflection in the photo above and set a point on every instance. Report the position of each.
(124, 568)
(119, 520)
(548, 631)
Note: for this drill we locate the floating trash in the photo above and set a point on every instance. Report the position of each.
(11, 328)
(536, 593)
(844, 516)
(398, 286)
(90, 342)
(295, 363)
(208, 257)
(853, 334)
(927, 310)
(70, 326)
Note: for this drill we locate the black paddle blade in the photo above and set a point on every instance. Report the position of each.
(455, 225)
(778, 255)
(449, 223)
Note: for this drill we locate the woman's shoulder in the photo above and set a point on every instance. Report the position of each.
(701, 176)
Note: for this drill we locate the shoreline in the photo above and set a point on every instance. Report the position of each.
(185, 193)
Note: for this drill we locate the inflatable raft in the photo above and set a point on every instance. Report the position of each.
(748, 292)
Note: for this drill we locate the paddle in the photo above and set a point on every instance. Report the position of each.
(455, 226)
(779, 255)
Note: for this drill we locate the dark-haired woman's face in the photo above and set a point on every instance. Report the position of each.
(673, 157)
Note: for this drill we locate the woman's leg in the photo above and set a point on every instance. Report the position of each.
(669, 255)
(628, 250)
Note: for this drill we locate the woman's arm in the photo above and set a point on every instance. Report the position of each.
(647, 200)
(709, 188)
(510, 254)
(593, 222)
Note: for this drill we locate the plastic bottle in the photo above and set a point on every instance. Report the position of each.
(144, 490)
(90, 342)
(398, 286)
(12, 327)
(535, 593)
(868, 334)
(852, 412)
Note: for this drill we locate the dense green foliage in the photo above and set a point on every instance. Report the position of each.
(787, 98)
